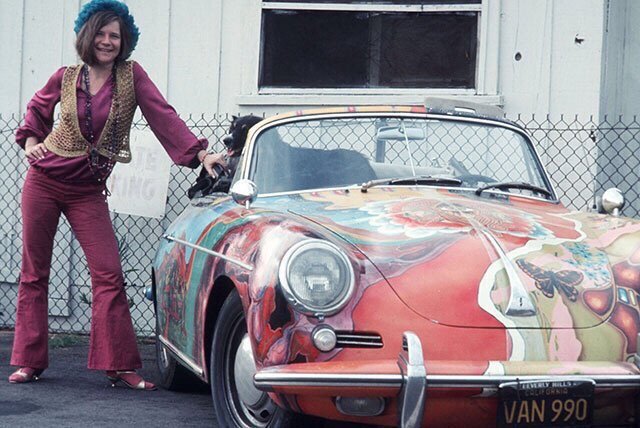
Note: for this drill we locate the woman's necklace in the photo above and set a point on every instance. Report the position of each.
(101, 166)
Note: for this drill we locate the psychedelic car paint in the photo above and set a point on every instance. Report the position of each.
(494, 285)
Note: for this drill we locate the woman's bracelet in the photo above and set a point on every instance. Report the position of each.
(204, 157)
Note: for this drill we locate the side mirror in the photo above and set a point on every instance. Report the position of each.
(244, 192)
(612, 202)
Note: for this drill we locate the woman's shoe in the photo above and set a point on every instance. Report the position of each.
(25, 374)
(131, 379)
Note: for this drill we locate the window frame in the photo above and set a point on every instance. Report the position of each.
(486, 60)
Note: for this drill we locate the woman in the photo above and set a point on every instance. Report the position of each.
(68, 169)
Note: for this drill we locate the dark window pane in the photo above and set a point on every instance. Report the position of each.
(428, 50)
(331, 49)
(314, 49)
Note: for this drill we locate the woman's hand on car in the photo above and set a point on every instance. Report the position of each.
(212, 159)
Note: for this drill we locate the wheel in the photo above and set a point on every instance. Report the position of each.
(236, 401)
(173, 375)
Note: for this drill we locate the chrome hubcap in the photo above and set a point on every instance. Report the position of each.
(243, 369)
(255, 404)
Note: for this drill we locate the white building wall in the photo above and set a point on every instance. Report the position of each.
(179, 47)
(203, 54)
(621, 75)
(11, 32)
(560, 45)
(630, 94)
(619, 143)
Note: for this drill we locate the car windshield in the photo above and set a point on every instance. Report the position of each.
(335, 152)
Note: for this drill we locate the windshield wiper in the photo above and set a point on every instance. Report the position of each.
(515, 185)
(420, 179)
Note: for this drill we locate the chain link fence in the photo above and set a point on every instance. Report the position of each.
(583, 157)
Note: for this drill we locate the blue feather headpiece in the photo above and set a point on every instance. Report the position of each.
(115, 6)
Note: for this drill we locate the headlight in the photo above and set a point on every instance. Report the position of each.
(316, 277)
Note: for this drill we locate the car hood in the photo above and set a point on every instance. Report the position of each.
(489, 261)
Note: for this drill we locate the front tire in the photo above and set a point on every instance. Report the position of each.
(236, 401)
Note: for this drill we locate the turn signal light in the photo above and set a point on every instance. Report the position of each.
(324, 338)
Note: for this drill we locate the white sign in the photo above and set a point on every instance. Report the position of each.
(140, 187)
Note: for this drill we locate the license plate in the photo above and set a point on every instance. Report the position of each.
(544, 403)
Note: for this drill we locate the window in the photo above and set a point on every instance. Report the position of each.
(340, 52)
(390, 44)
(354, 150)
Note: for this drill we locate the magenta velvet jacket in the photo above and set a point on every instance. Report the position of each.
(179, 142)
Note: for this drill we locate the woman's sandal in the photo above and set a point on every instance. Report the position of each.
(25, 374)
(131, 379)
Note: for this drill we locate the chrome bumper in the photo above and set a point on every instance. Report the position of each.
(412, 381)
(416, 381)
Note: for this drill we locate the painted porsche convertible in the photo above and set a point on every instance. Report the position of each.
(400, 266)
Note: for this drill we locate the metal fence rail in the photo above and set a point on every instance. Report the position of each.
(583, 157)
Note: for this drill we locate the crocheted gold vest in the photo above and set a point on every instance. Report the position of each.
(66, 139)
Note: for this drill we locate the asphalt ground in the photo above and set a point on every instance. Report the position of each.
(70, 395)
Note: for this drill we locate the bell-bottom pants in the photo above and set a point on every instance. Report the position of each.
(112, 343)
